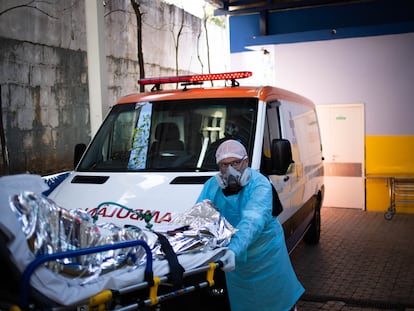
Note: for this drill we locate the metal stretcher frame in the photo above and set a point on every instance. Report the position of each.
(400, 191)
(100, 299)
(25, 283)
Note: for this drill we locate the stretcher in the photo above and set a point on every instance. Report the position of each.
(28, 284)
(146, 287)
(400, 191)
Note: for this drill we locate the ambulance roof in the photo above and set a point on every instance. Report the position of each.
(190, 91)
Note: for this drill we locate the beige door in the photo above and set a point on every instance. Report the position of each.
(343, 133)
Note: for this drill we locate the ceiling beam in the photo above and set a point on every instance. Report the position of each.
(240, 7)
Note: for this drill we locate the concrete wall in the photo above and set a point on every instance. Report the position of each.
(44, 95)
(43, 75)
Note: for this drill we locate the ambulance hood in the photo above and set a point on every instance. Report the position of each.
(122, 197)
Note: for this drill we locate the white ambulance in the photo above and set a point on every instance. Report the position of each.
(155, 150)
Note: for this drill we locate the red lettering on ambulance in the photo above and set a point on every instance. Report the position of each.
(102, 212)
(135, 216)
(92, 212)
(122, 214)
(112, 214)
(157, 219)
(167, 217)
(119, 214)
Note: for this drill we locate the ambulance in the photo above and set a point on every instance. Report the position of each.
(155, 150)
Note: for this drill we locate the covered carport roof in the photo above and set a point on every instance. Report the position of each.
(258, 23)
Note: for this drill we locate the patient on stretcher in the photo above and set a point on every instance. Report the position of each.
(49, 229)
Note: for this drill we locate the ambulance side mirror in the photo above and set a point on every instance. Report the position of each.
(281, 156)
(78, 153)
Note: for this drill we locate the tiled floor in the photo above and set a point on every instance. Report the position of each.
(363, 262)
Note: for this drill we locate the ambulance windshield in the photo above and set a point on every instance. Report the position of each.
(180, 135)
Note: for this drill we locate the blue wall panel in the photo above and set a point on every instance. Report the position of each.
(312, 24)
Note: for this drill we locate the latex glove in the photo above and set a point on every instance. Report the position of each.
(228, 260)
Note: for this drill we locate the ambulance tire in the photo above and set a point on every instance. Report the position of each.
(312, 236)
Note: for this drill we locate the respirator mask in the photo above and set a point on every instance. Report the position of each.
(232, 181)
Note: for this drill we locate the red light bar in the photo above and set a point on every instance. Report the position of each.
(197, 78)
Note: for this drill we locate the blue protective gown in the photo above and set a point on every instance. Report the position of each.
(264, 278)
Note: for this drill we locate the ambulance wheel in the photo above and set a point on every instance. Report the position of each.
(312, 236)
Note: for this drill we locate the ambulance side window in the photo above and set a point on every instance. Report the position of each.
(271, 131)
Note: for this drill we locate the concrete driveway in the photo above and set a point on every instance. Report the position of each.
(363, 262)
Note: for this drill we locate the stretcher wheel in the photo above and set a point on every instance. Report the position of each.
(388, 215)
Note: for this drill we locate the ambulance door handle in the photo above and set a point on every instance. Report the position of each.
(286, 178)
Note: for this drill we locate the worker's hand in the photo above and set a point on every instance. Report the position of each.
(228, 260)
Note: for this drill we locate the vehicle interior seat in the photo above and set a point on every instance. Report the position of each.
(167, 135)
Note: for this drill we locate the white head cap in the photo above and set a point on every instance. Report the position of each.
(230, 149)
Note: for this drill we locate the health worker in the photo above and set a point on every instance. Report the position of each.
(259, 274)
